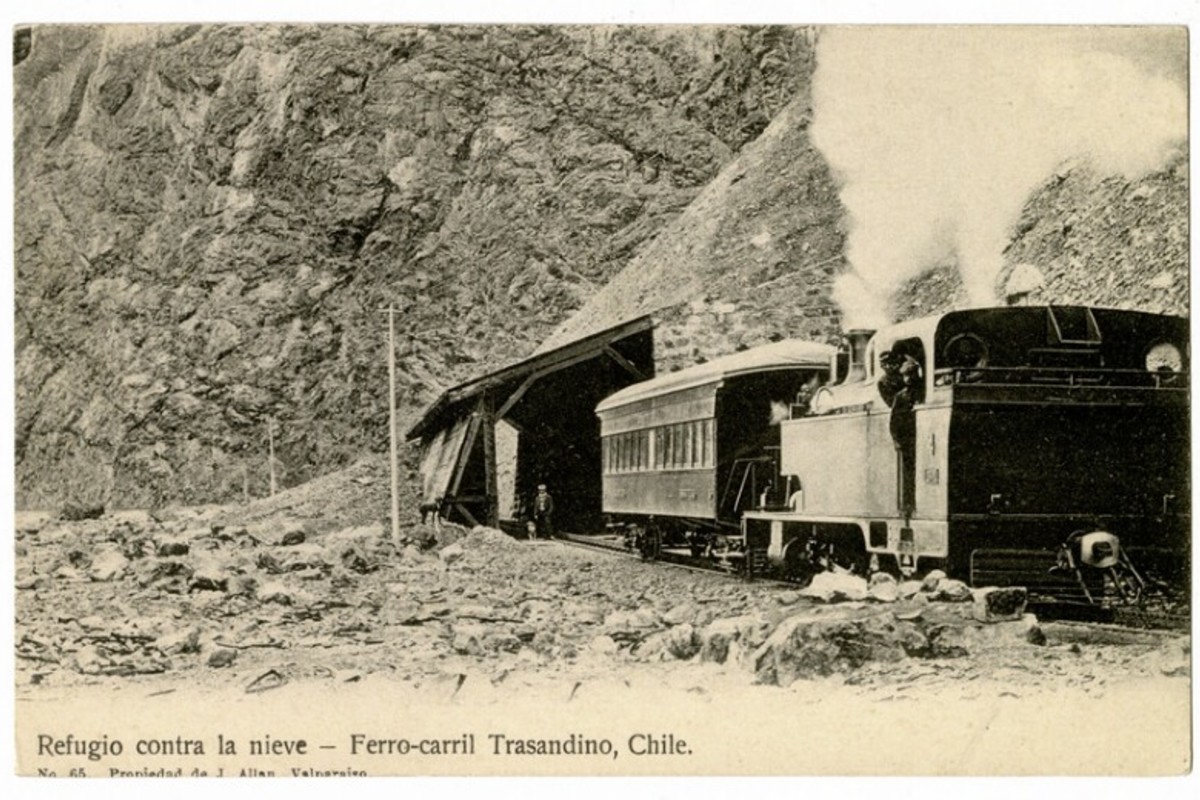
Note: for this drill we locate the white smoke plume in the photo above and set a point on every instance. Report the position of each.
(937, 137)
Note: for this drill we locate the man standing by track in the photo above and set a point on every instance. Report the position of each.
(543, 511)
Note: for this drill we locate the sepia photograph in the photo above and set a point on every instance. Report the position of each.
(496, 398)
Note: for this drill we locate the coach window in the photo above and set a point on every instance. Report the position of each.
(706, 442)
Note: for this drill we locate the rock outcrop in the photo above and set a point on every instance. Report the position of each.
(210, 218)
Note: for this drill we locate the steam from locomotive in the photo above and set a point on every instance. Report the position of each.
(938, 136)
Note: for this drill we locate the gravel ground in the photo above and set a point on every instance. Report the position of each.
(131, 622)
(128, 599)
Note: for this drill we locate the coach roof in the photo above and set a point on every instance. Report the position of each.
(788, 354)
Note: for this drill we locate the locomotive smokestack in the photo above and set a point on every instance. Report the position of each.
(857, 339)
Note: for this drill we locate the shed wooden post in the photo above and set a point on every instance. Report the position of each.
(491, 491)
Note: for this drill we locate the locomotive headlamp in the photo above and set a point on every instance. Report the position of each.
(1164, 357)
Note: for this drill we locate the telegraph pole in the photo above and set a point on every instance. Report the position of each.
(392, 423)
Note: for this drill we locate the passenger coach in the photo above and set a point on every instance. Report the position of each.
(686, 453)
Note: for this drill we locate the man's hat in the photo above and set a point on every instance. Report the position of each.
(541, 487)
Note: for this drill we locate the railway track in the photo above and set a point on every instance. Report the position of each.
(1130, 618)
(667, 557)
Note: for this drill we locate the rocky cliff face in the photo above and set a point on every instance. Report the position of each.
(751, 260)
(209, 220)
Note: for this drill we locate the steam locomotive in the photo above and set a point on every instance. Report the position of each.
(1045, 446)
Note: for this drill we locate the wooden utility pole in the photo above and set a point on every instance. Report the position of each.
(392, 423)
(271, 452)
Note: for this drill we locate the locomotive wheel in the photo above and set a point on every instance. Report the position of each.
(797, 566)
(847, 553)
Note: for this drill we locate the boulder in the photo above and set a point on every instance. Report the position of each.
(27, 582)
(602, 645)
(954, 640)
(836, 587)
(169, 548)
(952, 591)
(930, 582)
(999, 604)
(222, 657)
(908, 589)
(30, 523)
(883, 588)
(300, 556)
(209, 574)
(293, 537)
(912, 607)
(451, 553)
(108, 564)
(69, 573)
(726, 639)
(88, 660)
(631, 624)
(275, 592)
(468, 639)
(241, 585)
(682, 641)
(352, 557)
(183, 640)
(787, 598)
(74, 512)
(678, 642)
(813, 645)
(169, 575)
(500, 641)
(679, 614)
